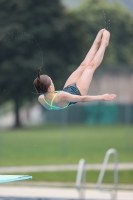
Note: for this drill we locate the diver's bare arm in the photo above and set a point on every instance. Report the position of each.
(75, 98)
(107, 97)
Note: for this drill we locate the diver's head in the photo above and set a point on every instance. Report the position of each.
(42, 83)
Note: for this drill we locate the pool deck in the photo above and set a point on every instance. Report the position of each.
(34, 168)
(61, 193)
(31, 190)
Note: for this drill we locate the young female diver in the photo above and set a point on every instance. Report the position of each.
(76, 87)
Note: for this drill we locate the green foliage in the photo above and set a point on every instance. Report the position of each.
(119, 21)
(34, 34)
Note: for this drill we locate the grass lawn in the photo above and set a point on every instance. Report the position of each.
(124, 176)
(53, 144)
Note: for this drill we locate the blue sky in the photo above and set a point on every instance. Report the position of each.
(74, 3)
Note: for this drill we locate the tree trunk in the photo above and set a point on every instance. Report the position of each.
(17, 115)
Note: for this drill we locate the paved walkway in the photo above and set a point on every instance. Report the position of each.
(44, 184)
(44, 193)
(34, 168)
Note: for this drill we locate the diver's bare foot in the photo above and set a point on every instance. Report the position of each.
(99, 37)
(106, 37)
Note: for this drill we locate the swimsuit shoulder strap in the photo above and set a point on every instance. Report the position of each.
(51, 104)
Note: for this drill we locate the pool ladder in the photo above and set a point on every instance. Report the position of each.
(113, 191)
(81, 175)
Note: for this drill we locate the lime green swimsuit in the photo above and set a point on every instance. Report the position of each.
(72, 89)
(51, 104)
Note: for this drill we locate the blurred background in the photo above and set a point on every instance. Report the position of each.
(56, 35)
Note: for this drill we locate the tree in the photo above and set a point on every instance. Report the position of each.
(119, 21)
(33, 34)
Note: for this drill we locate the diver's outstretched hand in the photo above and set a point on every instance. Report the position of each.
(108, 97)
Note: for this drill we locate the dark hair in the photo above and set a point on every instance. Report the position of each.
(42, 82)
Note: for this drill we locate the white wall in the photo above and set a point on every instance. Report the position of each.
(122, 85)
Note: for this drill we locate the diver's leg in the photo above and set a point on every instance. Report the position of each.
(84, 81)
(90, 55)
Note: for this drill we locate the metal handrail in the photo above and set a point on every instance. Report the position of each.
(101, 175)
(81, 179)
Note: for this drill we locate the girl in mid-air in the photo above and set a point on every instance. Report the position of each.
(77, 85)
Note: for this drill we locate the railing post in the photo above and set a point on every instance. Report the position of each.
(101, 175)
(81, 179)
